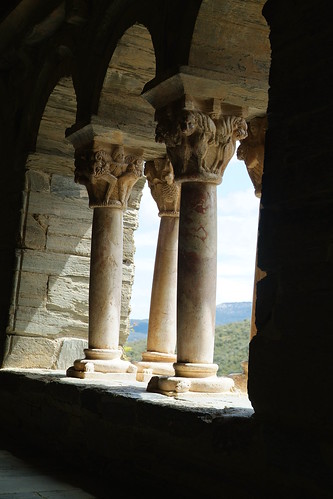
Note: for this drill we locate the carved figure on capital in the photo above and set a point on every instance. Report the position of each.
(187, 136)
(229, 129)
(108, 176)
(252, 150)
(198, 146)
(164, 190)
(127, 179)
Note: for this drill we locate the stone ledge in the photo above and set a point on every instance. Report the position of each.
(236, 404)
(194, 445)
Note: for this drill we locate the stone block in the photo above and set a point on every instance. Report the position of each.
(27, 353)
(48, 322)
(64, 186)
(131, 219)
(68, 294)
(55, 263)
(68, 244)
(79, 227)
(67, 208)
(70, 350)
(48, 163)
(37, 181)
(32, 290)
(35, 233)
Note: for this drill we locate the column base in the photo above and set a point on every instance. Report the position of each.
(102, 364)
(155, 363)
(195, 369)
(178, 384)
(145, 370)
(110, 376)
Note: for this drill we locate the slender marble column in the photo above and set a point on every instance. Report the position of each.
(161, 339)
(199, 149)
(109, 176)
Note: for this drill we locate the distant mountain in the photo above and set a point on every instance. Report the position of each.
(233, 312)
(226, 313)
(139, 329)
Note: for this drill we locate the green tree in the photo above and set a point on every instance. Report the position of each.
(231, 347)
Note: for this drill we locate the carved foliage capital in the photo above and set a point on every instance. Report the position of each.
(198, 146)
(164, 190)
(252, 150)
(108, 175)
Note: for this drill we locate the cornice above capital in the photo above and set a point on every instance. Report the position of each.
(83, 135)
(206, 85)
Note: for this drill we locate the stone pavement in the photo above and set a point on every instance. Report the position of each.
(25, 477)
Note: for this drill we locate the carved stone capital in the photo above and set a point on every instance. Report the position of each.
(164, 190)
(199, 146)
(109, 175)
(252, 150)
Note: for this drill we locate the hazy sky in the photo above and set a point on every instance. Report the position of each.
(237, 209)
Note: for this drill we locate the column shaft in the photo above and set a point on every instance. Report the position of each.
(197, 260)
(105, 278)
(162, 315)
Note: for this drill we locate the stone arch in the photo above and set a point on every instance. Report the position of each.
(230, 46)
(49, 315)
(121, 107)
(125, 117)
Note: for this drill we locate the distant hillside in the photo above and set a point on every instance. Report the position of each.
(226, 313)
(231, 347)
(232, 312)
(139, 329)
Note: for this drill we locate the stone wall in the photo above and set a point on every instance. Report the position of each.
(294, 301)
(48, 324)
(48, 320)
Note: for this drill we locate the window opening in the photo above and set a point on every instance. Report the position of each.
(237, 221)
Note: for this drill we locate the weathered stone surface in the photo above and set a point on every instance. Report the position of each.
(67, 208)
(55, 263)
(52, 323)
(44, 353)
(136, 195)
(68, 244)
(64, 186)
(70, 350)
(32, 353)
(128, 245)
(43, 161)
(79, 228)
(131, 218)
(35, 232)
(32, 289)
(37, 181)
(69, 294)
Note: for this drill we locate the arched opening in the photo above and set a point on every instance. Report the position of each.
(230, 48)
(124, 118)
(238, 210)
(49, 314)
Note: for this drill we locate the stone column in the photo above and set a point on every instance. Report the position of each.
(161, 339)
(199, 147)
(109, 175)
(251, 151)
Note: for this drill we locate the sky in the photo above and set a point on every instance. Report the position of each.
(237, 221)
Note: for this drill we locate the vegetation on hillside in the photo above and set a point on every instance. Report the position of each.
(231, 347)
